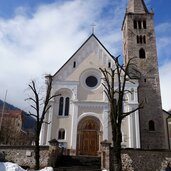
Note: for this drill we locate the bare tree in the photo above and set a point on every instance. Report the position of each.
(118, 77)
(41, 107)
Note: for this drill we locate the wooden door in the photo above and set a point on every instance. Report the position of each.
(89, 143)
(88, 138)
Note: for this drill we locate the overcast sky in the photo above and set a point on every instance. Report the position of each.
(38, 36)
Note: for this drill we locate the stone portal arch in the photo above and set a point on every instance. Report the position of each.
(88, 136)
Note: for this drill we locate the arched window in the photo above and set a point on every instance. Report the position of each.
(64, 103)
(74, 64)
(61, 134)
(138, 39)
(135, 24)
(67, 106)
(139, 24)
(109, 64)
(141, 53)
(151, 125)
(61, 104)
(144, 24)
(132, 94)
(144, 39)
(125, 98)
(141, 39)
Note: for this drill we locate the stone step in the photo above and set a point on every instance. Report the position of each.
(78, 163)
(75, 169)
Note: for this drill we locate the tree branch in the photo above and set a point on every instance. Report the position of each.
(132, 111)
(47, 122)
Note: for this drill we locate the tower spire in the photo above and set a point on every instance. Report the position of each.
(136, 6)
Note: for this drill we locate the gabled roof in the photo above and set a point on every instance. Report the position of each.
(11, 113)
(92, 35)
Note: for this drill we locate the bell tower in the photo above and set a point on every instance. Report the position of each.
(139, 41)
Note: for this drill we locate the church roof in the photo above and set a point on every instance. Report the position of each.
(91, 36)
(136, 6)
(168, 113)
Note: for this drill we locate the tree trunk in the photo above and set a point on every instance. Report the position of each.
(117, 163)
(37, 153)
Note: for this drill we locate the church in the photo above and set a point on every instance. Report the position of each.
(79, 117)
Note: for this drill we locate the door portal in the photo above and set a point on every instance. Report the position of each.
(88, 136)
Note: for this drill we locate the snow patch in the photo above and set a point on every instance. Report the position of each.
(47, 169)
(8, 166)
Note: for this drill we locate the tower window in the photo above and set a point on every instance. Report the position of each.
(144, 39)
(139, 24)
(141, 39)
(146, 100)
(138, 39)
(144, 24)
(74, 64)
(142, 53)
(151, 125)
(135, 24)
(61, 134)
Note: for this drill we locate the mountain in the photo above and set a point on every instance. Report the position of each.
(8, 106)
(28, 121)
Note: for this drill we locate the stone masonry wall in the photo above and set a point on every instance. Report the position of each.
(145, 160)
(24, 155)
(136, 159)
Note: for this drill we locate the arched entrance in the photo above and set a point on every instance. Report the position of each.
(88, 136)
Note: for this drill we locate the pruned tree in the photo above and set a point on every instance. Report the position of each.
(40, 107)
(114, 83)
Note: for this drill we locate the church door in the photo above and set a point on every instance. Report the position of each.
(88, 136)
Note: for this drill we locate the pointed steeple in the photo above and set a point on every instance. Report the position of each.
(136, 6)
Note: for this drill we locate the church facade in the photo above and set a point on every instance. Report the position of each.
(80, 116)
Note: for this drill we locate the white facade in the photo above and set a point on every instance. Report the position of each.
(79, 117)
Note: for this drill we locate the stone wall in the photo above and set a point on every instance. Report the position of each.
(145, 160)
(24, 155)
(136, 159)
